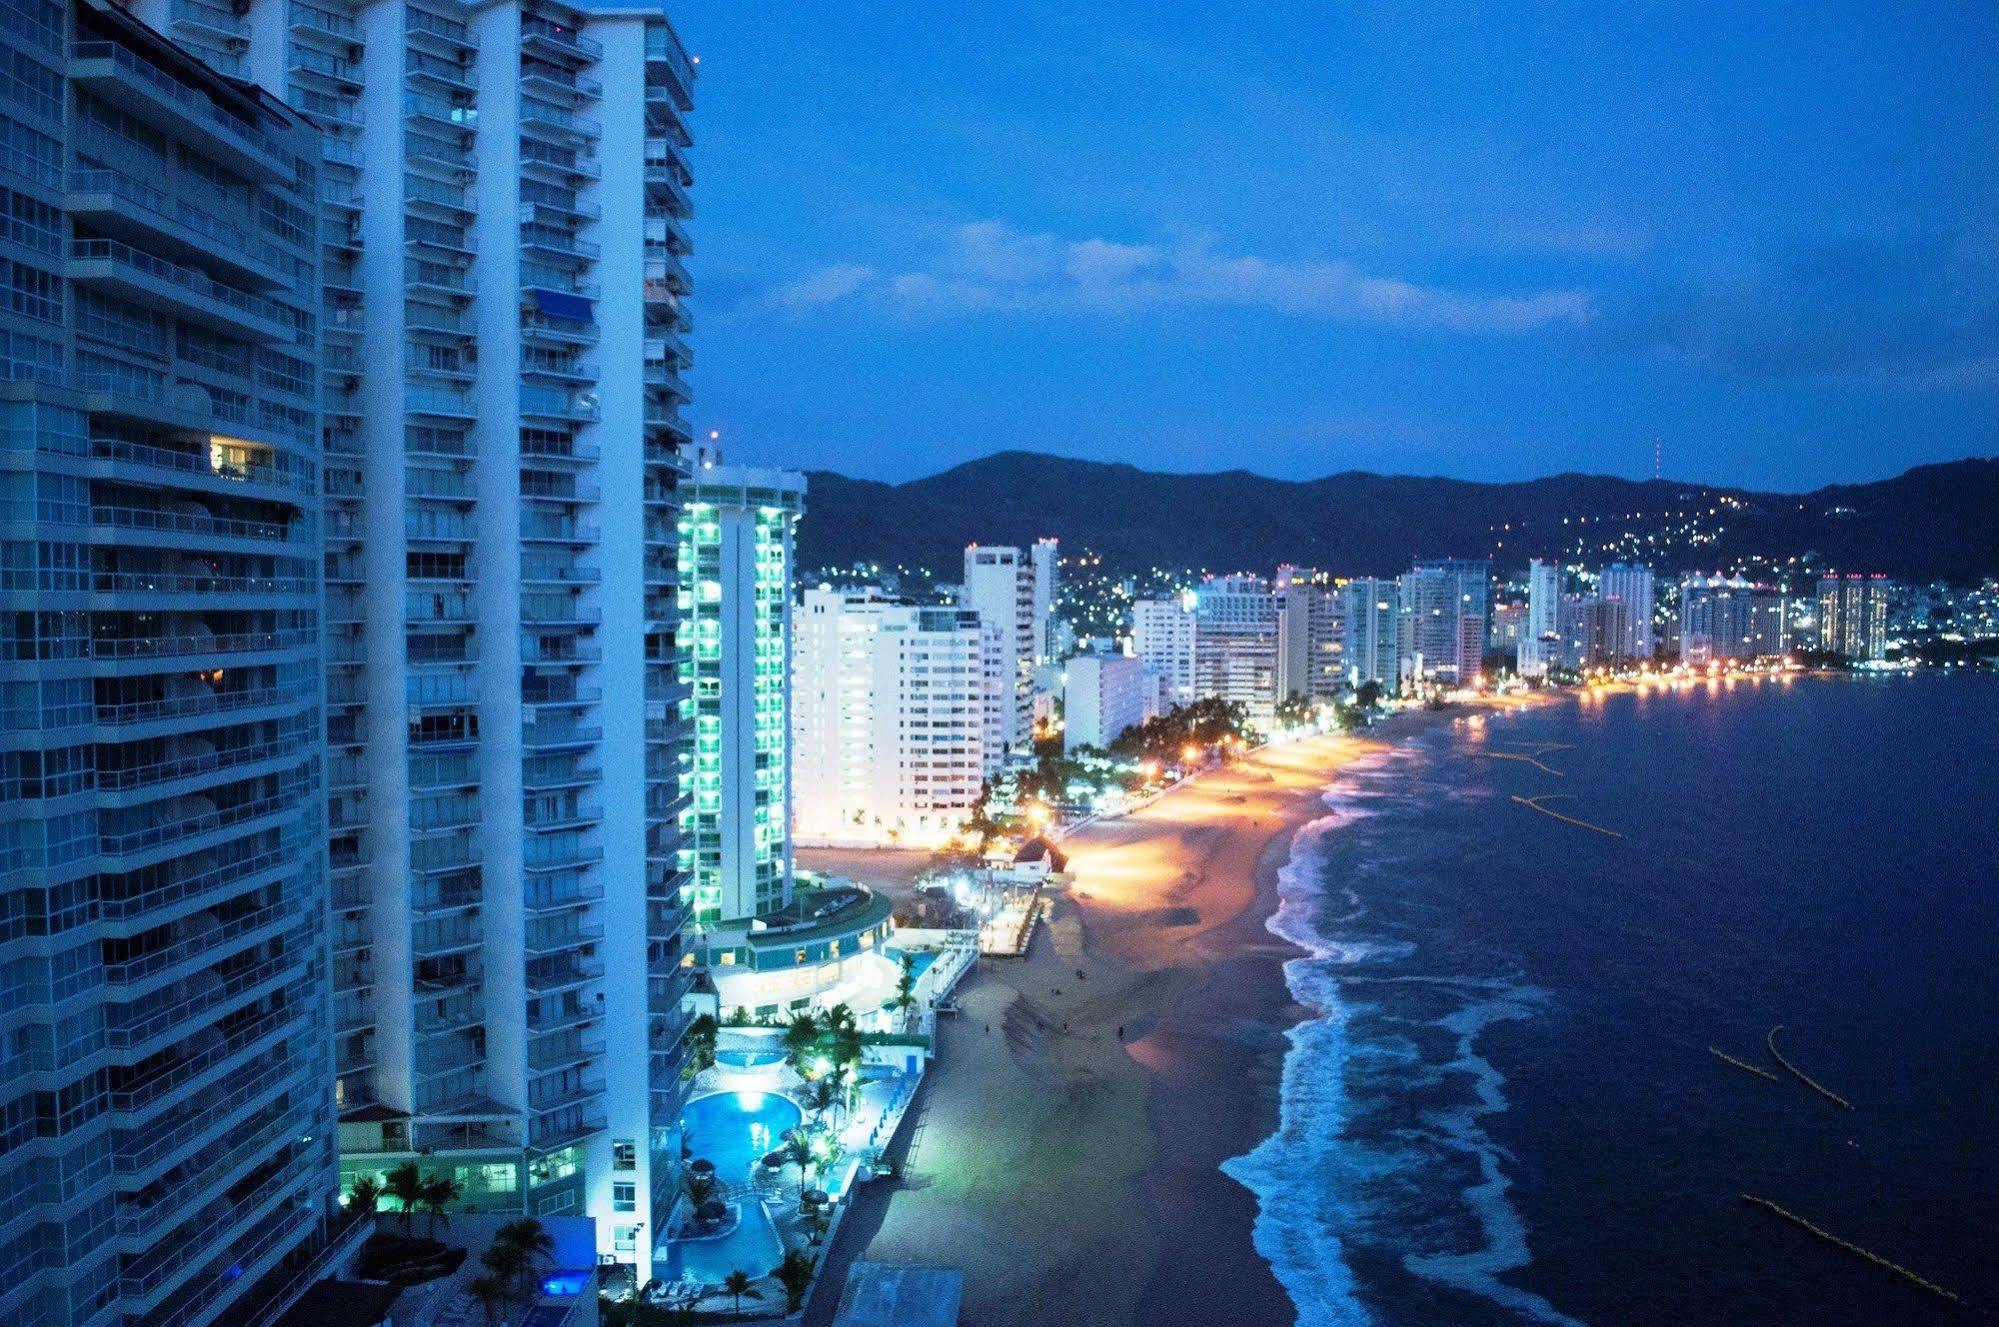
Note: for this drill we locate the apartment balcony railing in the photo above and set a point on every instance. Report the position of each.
(191, 293)
(123, 75)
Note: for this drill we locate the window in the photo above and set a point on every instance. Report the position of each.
(624, 1154)
(624, 1196)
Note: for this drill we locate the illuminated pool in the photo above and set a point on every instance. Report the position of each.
(746, 1057)
(734, 1130)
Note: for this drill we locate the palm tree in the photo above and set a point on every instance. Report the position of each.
(738, 1284)
(405, 1185)
(795, 1275)
(439, 1192)
(531, 1240)
(821, 1094)
(797, 1151)
(491, 1292)
(799, 1039)
(505, 1261)
(366, 1194)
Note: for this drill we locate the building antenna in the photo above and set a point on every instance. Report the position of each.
(1658, 455)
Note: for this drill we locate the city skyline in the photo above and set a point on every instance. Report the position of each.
(1398, 242)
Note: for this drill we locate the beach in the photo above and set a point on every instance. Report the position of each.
(1065, 1151)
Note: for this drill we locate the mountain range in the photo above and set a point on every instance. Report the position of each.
(1929, 523)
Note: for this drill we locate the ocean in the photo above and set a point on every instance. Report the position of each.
(1504, 1109)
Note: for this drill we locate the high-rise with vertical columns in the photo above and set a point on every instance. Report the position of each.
(166, 1105)
(506, 186)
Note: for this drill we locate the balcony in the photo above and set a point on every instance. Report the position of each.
(547, 38)
(156, 283)
(152, 95)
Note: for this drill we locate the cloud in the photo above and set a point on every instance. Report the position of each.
(828, 285)
(991, 266)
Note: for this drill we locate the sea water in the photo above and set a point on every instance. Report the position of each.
(1504, 1109)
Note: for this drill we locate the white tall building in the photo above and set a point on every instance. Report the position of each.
(1000, 588)
(1102, 695)
(736, 547)
(1443, 628)
(1047, 558)
(1162, 636)
(888, 717)
(503, 273)
(1238, 644)
(1631, 585)
(1540, 638)
(1371, 612)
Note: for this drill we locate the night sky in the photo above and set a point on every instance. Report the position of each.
(1483, 241)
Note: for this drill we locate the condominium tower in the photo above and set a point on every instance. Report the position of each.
(1238, 643)
(166, 1109)
(1000, 587)
(1162, 636)
(736, 545)
(1631, 585)
(1371, 618)
(1444, 609)
(888, 717)
(1540, 636)
(506, 189)
(1853, 616)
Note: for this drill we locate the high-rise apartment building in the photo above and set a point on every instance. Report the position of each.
(888, 717)
(1631, 585)
(1047, 558)
(1540, 637)
(1853, 616)
(1000, 588)
(1162, 636)
(1238, 629)
(503, 444)
(1312, 661)
(1102, 695)
(1445, 604)
(1727, 618)
(736, 548)
(1371, 610)
(166, 1106)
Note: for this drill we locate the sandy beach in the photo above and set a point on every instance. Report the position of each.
(1065, 1149)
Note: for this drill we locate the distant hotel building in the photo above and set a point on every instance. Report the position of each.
(888, 718)
(1632, 586)
(1372, 612)
(1237, 644)
(1162, 636)
(1313, 661)
(1729, 619)
(1104, 694)
(166, 1105)
(1000, 587)
(1541, 634)
(1853, 616)
(1445, 608)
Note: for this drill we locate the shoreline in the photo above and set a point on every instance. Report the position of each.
(1066, 1148)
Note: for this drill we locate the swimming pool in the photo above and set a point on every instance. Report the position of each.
(734, 1130)
(745, 1057)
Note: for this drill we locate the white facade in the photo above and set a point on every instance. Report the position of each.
(1047, 559)
(501, 401)
(1632, 586)
(1239, 639)
(888, 718)
(1442, 632)
(1540, 638)
(1372, 611)
(999, 587)
(1162, 636)
(1102, 695)
(736, 543)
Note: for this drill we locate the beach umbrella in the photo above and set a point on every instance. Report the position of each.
(775, 1160)
(702, 1166)
(815, 1198)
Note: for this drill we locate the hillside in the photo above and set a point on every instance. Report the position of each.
(1933, 522)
